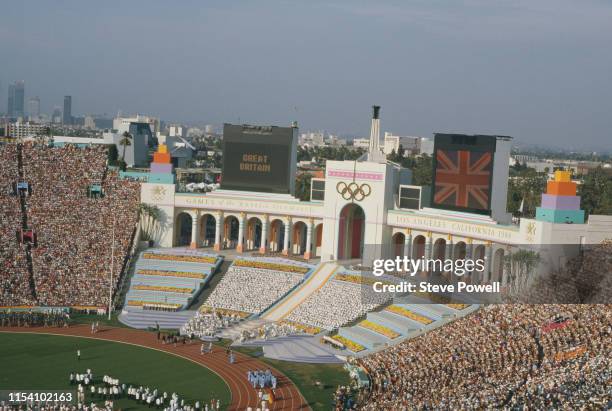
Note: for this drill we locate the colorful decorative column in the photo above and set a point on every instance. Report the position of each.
(161, 167)
(560, 204)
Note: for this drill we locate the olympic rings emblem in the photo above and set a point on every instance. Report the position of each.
(353, 191)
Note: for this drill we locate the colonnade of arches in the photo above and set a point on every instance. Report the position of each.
(252, 233)
(428, 246)
(301, 237)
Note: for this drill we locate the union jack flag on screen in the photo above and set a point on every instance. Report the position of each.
(463, 178)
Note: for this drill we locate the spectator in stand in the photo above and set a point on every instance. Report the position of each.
(71, 260)
(499, 357)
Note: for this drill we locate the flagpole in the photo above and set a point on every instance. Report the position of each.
(110, 286)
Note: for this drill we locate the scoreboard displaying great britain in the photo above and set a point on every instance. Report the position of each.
(259, 158)
(463, 172)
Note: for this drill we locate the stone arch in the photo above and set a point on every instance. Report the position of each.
(397, 241)
(230, 231)
(460, 251)
(298, 241)
(439, 253)
(208, 225)
(253, 236)
(418, 246)
(276, 237)
(183, 227)
(497, 268)
(351, 232)
(439, 249)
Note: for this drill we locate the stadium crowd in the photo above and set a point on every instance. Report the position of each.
(503, 356)
(51, 318)
(74, 230)
(14, 275)
(337, 303)
(251, 290)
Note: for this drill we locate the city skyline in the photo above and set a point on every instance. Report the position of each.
(537, 71)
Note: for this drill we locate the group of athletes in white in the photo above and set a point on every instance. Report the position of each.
(262, 379)
(112, 389)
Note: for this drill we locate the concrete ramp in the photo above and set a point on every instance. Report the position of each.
(300, 294)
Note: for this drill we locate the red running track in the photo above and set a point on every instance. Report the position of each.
(288, 397)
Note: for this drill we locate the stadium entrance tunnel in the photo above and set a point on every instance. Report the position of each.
(277, 235)
(351, 230)
(184, 224)
(207, 230)
(299, 238)
(230, 232)
(253, 237)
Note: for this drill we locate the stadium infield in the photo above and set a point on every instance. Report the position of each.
(46, 360)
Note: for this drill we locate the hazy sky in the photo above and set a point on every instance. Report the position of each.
(538, 70)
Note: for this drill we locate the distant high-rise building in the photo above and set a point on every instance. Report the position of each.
(16, 93)
(34, 108)
(67, 109)
(89, 122)
(56, 117)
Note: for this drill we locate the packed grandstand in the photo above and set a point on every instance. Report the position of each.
(56, 236)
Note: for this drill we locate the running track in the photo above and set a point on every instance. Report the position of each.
(288, 397)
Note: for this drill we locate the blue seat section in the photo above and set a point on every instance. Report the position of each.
(397, 323)
(173, 276)
(406, 327)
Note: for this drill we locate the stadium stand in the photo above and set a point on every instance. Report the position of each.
(170, 279)
(73, 231)
(15, 286)
(253, 285)
(338, 302)
(502, 351)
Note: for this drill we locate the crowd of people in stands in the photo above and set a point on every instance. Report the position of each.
(251, 290)
(502, 356)
(337, 303)
(50, 318)
(74, 230)
(14, 278)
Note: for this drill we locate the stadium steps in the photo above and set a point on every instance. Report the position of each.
(233, 333)
(286, 305)
(304, 349)
(142, 319)
(173, 266)
(367, 338)
(396, 322)
(166, 281)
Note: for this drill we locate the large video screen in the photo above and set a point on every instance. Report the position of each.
(463, 172)
(257, 158)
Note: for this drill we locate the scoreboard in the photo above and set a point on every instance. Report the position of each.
(259, 158)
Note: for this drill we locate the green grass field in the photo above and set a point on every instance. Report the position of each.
(29, 361)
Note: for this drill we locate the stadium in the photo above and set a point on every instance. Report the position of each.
(125, 291)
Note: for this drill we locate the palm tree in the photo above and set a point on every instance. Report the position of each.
(125, 141)
(520, 267)
(149, 216)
